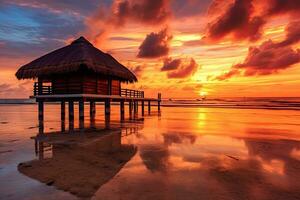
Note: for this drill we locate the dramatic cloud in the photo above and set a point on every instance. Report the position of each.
(283, 6)
(292, 34)
(238, 21)
(266, 59)
(144, 11)
(244, 19)
(109, 18)
(269, 57)
(183, 69)
(170, 64)
(155, 45)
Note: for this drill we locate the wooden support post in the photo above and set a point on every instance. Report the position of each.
(41, 116)
(130, 108)
(63, 115)
(143, 104)
(81, 113)
(158, 101)
(122, 110)
(107, 113)
(36, 147)
(41, 110)
(41, 150)
(92, 113)
(71, 110)
(71, 115)
(135, 107)
(63, 111)
(149, 107)
(92, 109)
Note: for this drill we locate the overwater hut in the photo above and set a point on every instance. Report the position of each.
(78, 68)
(81, 72)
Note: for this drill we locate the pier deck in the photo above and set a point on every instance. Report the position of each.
(87, 97)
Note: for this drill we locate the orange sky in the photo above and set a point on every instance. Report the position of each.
(205, 47)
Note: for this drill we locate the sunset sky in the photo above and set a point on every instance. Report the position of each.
(181, 48)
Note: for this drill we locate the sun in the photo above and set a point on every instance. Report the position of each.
(203, 93)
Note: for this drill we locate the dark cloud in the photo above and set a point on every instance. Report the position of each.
(292, 34)
(238, 20)
(170, 64)
(155, 45)
(243, 19)
(270, 57)
(277, 7)
(184, 70)
(144, 11)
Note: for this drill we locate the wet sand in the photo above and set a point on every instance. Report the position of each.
(184, 153)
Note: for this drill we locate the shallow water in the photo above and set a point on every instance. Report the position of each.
(182, 153)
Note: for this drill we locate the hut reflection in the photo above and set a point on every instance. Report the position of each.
(79, 163)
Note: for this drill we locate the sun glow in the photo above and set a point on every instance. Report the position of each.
(203, 93)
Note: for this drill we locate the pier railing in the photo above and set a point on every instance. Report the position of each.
(44, 90)
(47, 90)
(132, 93)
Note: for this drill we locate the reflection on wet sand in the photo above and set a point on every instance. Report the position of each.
(155, 157)
(78, 163)
(269, 172)
(189, 166)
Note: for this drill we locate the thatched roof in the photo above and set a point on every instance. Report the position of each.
(79, 54)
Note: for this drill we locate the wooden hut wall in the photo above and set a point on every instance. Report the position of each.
(102, 86)
(115, 87)
(67, 85)
(85, 84)
(89, 85)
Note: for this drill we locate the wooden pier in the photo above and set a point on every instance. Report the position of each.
(133, 98)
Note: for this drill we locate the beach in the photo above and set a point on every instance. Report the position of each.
(182, 152)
